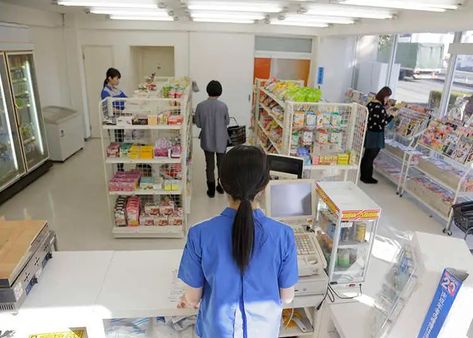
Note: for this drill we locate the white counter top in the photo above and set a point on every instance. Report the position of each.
(80, 289)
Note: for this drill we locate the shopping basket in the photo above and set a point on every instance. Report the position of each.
(236, 134)
(463, 217)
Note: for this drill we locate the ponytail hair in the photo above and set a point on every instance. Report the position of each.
(244, 173)
(111, 72)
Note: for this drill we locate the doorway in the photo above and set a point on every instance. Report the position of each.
(152, 59)
(97, 59)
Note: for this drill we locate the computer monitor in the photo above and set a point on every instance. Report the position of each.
(290, 199)
(285, 166)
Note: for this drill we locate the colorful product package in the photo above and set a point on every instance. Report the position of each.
(299, 117)
(311, 120)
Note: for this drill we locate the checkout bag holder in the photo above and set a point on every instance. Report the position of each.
(236, 134)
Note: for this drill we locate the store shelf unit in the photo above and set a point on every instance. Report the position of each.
(446, 147)
(269, 115)
(329, 136)
(147, 145)
(401, 136)
(347, 219)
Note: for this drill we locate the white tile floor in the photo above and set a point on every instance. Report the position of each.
(72, 197)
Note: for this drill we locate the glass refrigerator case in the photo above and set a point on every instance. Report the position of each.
(11, 160)
(347, 221)
(27, 107)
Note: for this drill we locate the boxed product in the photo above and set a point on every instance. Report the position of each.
(140, 120)
(152, 120)
(124, 148)
(176, 151)
(152, 208)
(119, 211)
(146, 220)
(336, 137)
(161, 220)
(307, 138)
(133, 210)
(343, 159)
(299, 119)
(124, 181)
(175, 120)
(146, 152)
(336, 119)
(134, 152)
(113, 150)
(149, 183)
(322, 136)
(124, 120)
(311, 120)
(162, 148)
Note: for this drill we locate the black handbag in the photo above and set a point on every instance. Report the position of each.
(236, 134)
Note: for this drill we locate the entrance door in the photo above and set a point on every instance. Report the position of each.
(97, 59)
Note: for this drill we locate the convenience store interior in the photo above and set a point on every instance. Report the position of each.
(75, 42)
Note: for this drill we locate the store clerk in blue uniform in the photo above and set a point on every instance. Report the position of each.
(240, 266)
(110, 89)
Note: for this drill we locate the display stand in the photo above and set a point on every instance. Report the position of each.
(270, 115)
(446, 148)
(397, 287)
(348, 221)
(401, 136)
(329, 137)
(146, 144)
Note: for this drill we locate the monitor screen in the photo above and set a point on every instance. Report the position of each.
(286, 164)
(291, 199)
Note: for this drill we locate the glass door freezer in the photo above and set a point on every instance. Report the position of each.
(28, 112)
(11, 159)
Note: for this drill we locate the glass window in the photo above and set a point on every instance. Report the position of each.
(421, 62)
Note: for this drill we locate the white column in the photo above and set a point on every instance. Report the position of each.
(447, 87)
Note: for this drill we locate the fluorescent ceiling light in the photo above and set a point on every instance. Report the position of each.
(409, 5)
(349, 11)
(298, 23)
(223, 20)
(319, 19)
(265, 7)
(110, 4)
(141, 18)
(227, 15)
(128, 11)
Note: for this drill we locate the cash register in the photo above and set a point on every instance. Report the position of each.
(293, 202)
(25, 248)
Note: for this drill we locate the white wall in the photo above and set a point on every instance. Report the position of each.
(336, 55)
(228, 58)
(121, 41)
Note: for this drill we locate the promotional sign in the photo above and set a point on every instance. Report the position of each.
(320, 75)
(447, 290)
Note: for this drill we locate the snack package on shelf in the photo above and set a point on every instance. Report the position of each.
(147, 211)
(113, 150)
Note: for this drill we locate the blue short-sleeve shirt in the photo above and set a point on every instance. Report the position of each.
(234, 305)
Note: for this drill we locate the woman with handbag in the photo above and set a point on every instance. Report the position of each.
(211, 116)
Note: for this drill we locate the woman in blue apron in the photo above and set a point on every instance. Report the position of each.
(240, 266)
(374, 139)
(110, 89)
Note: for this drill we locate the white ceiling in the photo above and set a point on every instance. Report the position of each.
(180, 9)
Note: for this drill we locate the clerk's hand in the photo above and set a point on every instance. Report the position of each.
(184, 304)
